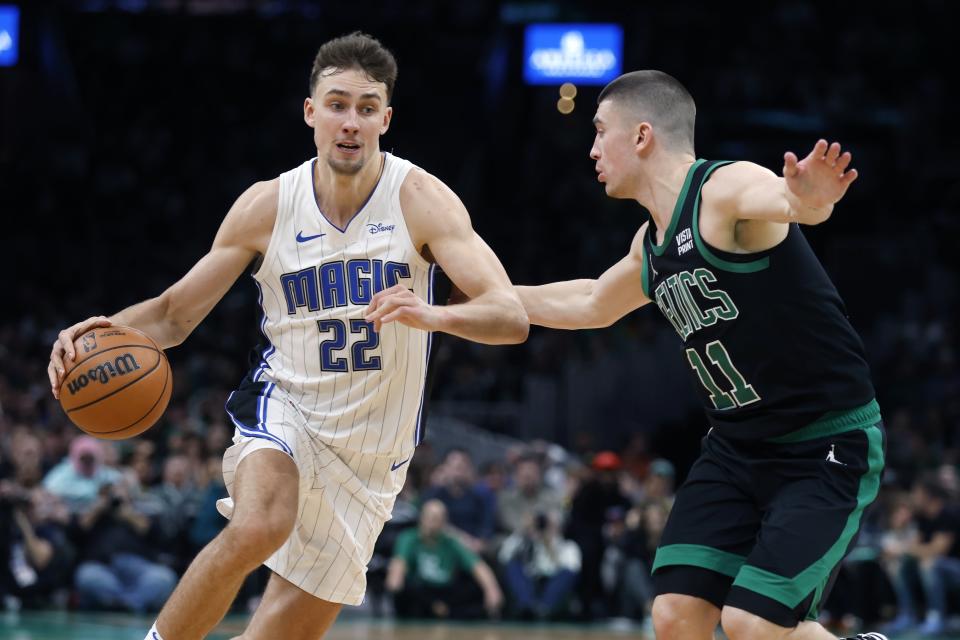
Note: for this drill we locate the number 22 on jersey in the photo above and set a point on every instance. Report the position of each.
(361, 359)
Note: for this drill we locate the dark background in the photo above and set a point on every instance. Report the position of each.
(129, 128)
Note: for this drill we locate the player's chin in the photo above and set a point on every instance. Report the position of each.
(346, 167)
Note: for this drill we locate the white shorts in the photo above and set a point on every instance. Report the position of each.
(345, 499)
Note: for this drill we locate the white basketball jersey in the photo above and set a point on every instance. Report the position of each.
(359, 390)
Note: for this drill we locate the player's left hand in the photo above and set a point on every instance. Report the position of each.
(821, 179)
(401, 305)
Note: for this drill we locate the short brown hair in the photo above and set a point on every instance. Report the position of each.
(659, 98)
(358, 51)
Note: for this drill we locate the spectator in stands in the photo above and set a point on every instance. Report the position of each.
(178, 495)
(79, 477)
(432, 575)
(527, 496)
(598, 497)
(493, 477)
(35, 556)
(935, 551)
(208, 521)
(631, 546)
(540, 566)
(659, 484)
(117, 570)
(471, 508)
(26, 458)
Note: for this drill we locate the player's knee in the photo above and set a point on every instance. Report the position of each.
(742, 625)
(256, 538)
(673, 617)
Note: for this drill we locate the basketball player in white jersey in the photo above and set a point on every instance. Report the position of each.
(344, 249)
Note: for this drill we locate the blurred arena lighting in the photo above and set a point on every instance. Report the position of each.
(586, 53)
(565, 105)
(568, 90)
(9, 34)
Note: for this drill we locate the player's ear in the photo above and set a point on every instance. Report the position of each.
(387, 116)
(643, 138)
(309, 112)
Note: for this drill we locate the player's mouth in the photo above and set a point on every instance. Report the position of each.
(600, 176)
(349, 148)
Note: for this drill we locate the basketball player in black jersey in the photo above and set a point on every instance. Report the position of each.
(795, 448)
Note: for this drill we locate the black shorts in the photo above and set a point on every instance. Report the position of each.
(762, 526)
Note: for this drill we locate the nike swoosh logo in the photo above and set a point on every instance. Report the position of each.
(303, 238)
(155, 636)
(397, 465)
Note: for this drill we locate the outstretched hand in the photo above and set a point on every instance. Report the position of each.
(821, 179)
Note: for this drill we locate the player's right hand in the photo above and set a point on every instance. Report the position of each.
(63, 347)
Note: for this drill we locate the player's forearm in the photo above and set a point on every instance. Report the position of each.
(492, 318)
(560, 305)
(154, 318)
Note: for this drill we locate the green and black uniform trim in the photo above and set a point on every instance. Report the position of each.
(794, 457)
(805, 497)
(766, 335)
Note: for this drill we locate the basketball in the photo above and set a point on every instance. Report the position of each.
(118, 385)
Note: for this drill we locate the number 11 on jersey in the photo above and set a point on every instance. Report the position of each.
(741, 393)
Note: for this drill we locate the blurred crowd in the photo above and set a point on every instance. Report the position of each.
(539, 534)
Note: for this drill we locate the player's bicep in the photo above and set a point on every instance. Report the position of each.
(747, 191)
(192, 297)
(470, 263)
(619, 290)
(243, 234)
(438, 217)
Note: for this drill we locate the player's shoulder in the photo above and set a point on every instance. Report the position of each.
(428, 203)
(261, 196)
(421, 185)
(255, 211)
(729, 180)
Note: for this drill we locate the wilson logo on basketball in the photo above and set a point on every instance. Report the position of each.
(105, 372)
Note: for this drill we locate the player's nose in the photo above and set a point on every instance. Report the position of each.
(351, 123)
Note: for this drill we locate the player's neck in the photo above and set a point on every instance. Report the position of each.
(659, 192)
(340, 196)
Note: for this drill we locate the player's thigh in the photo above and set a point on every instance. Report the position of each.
(288, 612)
(265, 490)
(711, 528)
(813, 520)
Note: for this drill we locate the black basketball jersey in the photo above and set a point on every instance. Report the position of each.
(766, 335)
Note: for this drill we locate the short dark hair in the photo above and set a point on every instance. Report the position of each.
(660, 98)
(358, 51)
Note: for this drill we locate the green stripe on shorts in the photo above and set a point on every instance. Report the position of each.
(791, 591)
(833, 423)
(697, 555)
